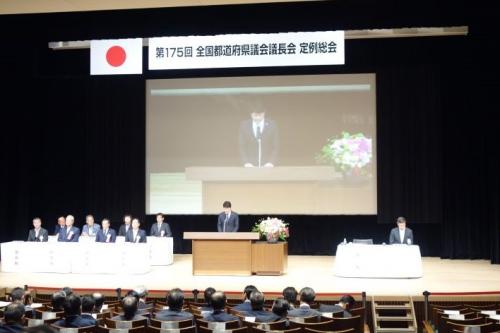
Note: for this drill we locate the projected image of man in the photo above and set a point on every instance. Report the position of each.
(258, 140)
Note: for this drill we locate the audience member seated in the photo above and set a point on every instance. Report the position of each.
(207, 295)
(344, 305)
(175, 301)
(129, 305)
(281, 307)
(99, 302)
(88, 304)
(67, 291)
(18, 295)
(13, 318)
(307, 296)
(257, 303)
(219, 314)
(290, 294)
(142, 294)
(72, 313)
(246, 306)
(57, 301)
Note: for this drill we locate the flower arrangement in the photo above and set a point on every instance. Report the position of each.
(272, 229)
(347, 152)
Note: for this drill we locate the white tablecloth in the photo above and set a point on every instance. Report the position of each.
(378, 261)
(86, 256)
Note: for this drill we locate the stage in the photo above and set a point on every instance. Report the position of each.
(440, 276)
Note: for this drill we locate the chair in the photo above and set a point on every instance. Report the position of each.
(40, 314)
(272, 326)
(293, 330)
(367, 241)
(228, 325)
(342, 324)
(323, 326)
(470, 328)
(170, 324)
(311, 319)
(189, 329)
(34, 322)
(202, 329)
(476, 307)
(309, 330)
(359, 312)
(125, 323)
(86, 329)
(102, 329)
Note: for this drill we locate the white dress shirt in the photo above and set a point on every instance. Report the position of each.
(257, 124)
(402, 235)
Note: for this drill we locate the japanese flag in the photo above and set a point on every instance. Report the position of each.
(116, 56)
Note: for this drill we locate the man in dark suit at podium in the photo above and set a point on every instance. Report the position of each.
(228, 220)
(70, 233)
(401, 234)
(106, 234)
(160, 228)
(136, 235)
(38, 234)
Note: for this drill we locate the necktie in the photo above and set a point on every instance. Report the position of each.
(225, 221)
(257, 132)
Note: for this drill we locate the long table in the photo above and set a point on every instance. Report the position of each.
(86, 256)
(378, 261)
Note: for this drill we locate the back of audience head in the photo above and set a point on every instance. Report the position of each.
(134, 294)
(248, 291)
(99, 301)
(67, 290)
(129, 305)
(218, 300)
(141, 291)
(175, 299)
(307, 295)
(257, 300)
(281, 307)
(290, 294)
(14, 313)
(347, 301)
(207, 295)
(72, 305)
(58, 300)
(88, 304)
(17, 295)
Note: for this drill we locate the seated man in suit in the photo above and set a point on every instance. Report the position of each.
(72, 311)
(290, 294)
(207, 296)
(57, 301)
(344, 305)
(90, 228)
(61, 223)
(129, 305)
(307, 296)
(99, 302)
(219, 304)
(228, 220)
(246, 305)
(124, 228)
(175, 301)
(136, 235)
(160, 228)
(88, 304)
(261, 316)
(13, 318)
(38, 234)
(70, 233)
(106, 234)
(281, 308)
(401, 234)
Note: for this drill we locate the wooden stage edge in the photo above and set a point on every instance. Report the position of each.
(478, 277)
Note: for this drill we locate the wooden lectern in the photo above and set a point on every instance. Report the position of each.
(236, 253)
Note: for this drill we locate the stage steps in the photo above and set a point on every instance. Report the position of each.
(394, 317)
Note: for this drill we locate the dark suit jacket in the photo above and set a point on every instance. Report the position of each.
(232, 224)
(57, 228)
(121, 231)
(303, 311)
(141, 236)
(101, 237)
(11, 328)
(64, 233)
(220, 316)
(164, 226)
(395, 239)
(243, 307)
(89, 318)
(122, 318)
(262, 316)
(43, 233)
(169, 315)
(75, 321)
(249, 145)
(334, 309)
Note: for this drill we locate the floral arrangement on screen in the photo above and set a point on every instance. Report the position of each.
(272, 229)
(347, 152)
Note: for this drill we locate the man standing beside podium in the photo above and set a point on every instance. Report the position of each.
(228, 220)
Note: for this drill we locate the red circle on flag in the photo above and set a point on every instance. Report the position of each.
(116, 56)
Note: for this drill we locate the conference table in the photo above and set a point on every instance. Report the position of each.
(86, 256)
(378, 261)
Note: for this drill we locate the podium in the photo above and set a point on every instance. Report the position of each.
(236, 253)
